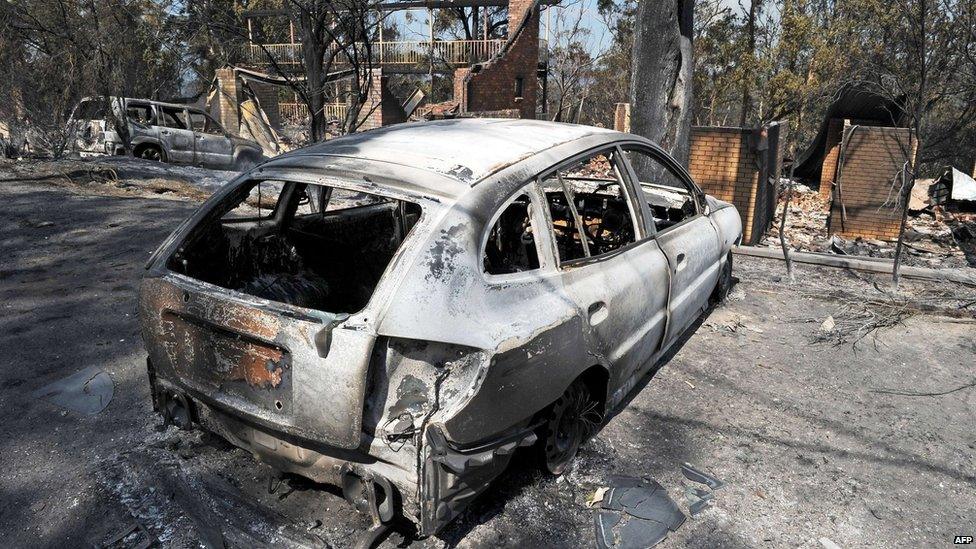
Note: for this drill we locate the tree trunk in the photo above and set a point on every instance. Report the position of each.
(313, 52)
(661, 80)
(747, 78)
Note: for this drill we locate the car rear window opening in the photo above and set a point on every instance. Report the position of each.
(312, 246)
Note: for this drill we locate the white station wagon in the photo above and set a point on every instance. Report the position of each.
(396, 311)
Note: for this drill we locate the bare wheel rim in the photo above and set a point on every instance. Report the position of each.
(574, 417)
(150, 153)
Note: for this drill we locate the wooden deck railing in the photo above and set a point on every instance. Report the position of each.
(299, 111)
(451, 52)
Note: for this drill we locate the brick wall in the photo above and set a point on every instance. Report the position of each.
(493, 87)
(621, 117)
(373, 103)
(385, 108)
(872, 158)
(835, 130)
(228, 100)
(725, 166)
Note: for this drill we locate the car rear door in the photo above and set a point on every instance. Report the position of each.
(684, 233)
(213, 148)
(611, 270)
(175, 134)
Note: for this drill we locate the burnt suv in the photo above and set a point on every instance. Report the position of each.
(166, 132)
(395, 312)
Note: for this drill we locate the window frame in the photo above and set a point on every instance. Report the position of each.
(638, 216)
(543, 247)
(273, 213)
(161, 118)
(207, 119)
(136, 104)
(701, 207)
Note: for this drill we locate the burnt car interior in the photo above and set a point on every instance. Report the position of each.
(589, 194)
(511, 242)
(139, 113)
(312, 246)
(668, 197)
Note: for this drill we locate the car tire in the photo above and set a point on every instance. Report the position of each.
(568, 423)
(150, 152)
(724, 284)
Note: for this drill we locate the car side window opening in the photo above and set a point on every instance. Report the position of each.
(139, 113)
(589, 194)
(511, 246)
(668, 195)
(202, 122)
(260, 202)
(173, 118)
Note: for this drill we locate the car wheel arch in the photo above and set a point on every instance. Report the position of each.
(597, 380)
(139, 147)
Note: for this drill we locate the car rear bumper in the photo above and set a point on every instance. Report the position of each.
(432, 495)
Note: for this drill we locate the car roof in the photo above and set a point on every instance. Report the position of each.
(467, 150)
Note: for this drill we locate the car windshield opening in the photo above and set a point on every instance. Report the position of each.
(668, 196)
(312, 246)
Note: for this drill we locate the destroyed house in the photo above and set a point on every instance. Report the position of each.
(490, 74)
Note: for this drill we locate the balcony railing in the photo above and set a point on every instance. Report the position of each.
(299, 111)
(404, 53)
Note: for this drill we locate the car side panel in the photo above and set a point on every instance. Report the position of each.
(213, 151)
(623, 301)
(694, 255)
(525, 323)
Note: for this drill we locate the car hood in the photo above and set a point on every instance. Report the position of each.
(715, 204)
(246, 142)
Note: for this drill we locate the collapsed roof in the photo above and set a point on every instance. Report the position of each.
(864, 107)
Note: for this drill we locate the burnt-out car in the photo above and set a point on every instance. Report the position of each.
(164, 132)
(397, 311)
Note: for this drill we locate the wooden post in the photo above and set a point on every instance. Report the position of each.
(250, 32)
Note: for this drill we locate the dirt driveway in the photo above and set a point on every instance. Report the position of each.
(812, 443)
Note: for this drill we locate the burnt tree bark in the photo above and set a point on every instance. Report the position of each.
(661, 80)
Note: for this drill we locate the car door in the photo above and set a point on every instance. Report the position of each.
(611, 270)
(175, 134)
(213, 148)
(684, 233)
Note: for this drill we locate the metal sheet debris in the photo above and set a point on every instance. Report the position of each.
(635, 513)
(694, 474)
(86, 392)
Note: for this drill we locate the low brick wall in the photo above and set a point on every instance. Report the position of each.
(868, 168)
(724, 165)
(828, 173)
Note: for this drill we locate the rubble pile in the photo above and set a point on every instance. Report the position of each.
(936, 236)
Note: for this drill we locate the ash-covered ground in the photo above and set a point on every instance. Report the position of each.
(804, 423)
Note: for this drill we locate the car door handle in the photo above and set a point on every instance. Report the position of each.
(597, 313)
(680, 262)
(165, 132)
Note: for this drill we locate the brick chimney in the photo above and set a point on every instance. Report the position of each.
(510, 82)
